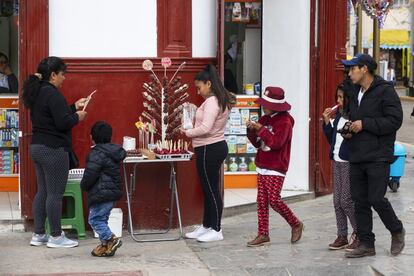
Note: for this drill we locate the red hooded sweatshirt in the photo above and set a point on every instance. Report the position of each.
(273, 141)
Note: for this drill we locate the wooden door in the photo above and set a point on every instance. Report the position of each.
(327, 49)
(34, 45)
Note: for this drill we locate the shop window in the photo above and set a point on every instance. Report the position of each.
(242, 46)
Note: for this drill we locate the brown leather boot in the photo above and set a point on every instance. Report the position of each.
(340, 243)
(361, 251)
(354, 243)
(259, 241)
(397, 243)
(297, 232)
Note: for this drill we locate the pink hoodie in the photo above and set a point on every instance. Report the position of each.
(209, 124)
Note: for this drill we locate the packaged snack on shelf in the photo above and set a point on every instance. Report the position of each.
(236, 130)
(241, 148)
(245, 115)
(227, 128)
(231, 143)
(188, 118)
(235, 117)
(250, 148)
(254, 116)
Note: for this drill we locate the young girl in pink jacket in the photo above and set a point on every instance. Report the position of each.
(210, 149)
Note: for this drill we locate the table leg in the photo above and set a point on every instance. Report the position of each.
(174, 196)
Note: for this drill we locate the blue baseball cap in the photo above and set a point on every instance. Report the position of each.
(361, 59)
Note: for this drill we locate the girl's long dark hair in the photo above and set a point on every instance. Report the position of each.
(32, 84)
(346, 87)
(225, 98)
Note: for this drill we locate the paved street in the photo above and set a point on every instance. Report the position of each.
(231, 257)
(406, 133)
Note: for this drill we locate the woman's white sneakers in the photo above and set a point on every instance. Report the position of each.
(200, 230)
(203, 234)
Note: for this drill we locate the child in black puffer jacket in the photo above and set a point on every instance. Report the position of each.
(102, 181)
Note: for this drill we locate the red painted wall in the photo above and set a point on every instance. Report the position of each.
(118, 101)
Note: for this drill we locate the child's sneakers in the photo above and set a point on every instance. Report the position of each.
(109, 249)
(100, 251)
(113, 244)
(39, 239)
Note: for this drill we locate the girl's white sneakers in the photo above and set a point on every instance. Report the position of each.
(211, 236)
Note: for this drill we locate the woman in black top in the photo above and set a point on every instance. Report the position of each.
(52, 121)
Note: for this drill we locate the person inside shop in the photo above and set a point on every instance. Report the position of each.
(8, 81)
(51, 148)
(102, 181)
(375, 114)
(210, 149)
(230, 82)
(338, 153)
(272, 136)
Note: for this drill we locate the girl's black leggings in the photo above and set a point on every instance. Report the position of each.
(209, 160)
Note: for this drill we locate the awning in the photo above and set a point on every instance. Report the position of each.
(393, 39)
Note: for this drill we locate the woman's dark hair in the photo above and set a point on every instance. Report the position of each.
(346, 87)
(225, 98)
(101, 132)
(32, 84)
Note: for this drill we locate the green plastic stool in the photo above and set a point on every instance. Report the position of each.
(72, 218)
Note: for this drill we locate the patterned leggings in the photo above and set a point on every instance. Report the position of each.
(268, 193)
(343, 204)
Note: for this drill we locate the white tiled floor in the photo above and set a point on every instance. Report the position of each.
(9, 206)
(234, 197)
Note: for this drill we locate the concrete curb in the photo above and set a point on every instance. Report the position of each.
(252, 207)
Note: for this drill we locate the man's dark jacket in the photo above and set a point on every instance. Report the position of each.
(381, 114)
(102, 176)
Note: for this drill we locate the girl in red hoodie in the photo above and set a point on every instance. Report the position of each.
(272, 135)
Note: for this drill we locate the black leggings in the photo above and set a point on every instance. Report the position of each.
(209, 160)
(52, 166)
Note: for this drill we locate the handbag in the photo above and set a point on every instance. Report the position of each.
(73, 160)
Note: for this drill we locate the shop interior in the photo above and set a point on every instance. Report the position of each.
(9, 112)
(242, 47)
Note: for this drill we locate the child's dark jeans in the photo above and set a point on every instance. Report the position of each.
(98, 220)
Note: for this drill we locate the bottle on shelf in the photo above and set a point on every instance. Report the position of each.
(225, 166)
(233, 165)
(252, 164)
(242, 165)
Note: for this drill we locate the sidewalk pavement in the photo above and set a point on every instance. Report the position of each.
(231, 257)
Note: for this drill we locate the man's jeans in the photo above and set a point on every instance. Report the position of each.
(98, 220)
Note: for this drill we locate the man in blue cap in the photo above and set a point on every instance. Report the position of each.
(376, 114)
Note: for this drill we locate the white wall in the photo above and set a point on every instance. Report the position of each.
(204, 33)
(286, 38)
(103, 28)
